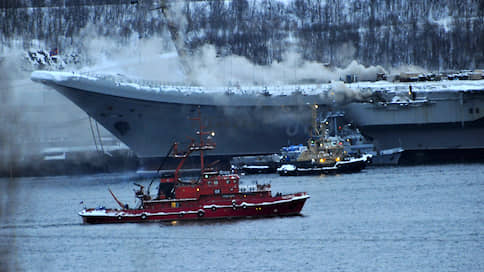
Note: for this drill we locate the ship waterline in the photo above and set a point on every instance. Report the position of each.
(149, 119)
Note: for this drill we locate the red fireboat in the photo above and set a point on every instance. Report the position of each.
(211, 196)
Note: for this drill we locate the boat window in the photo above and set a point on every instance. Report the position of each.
(216, 191)
(228, 181)
(215, 182)
(471, 110)
(209, 183)
(477, 110)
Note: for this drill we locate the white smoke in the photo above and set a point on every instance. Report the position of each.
(340, 93)
(408, 68)
(32, 115)
(210, 70)
(176, 18)
(11, 117)
(204, 67)
(151, 59)
(157, 58)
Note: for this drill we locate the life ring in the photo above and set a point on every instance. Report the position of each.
(143, 216)
(214, 208)
(201, 213)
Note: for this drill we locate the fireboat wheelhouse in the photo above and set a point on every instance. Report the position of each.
(211, 196)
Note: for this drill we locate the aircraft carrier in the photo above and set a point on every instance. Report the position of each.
(429, 120)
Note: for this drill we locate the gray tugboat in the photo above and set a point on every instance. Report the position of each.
(356, 144)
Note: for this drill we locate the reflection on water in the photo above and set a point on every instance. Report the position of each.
(8, 203)
(423, 218)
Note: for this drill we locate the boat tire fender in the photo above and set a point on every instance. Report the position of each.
(143, 216)
(244, 206)
(120, 217)
(214, 208)
(201, 213)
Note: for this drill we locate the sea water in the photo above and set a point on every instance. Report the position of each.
(419, 218)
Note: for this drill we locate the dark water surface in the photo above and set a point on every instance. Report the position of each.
(421, 218)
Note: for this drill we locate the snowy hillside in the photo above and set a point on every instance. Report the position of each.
(435, 35)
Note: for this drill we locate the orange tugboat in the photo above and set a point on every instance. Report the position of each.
(211, 196)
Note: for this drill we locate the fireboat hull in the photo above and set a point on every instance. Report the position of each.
(283, 205)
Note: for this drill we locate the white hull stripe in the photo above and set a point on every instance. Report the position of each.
(105, 213)
(258, 204)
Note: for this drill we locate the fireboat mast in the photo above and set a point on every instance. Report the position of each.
(202, 145)
(193, 147)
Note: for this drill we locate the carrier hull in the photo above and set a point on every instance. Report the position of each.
(148, 121)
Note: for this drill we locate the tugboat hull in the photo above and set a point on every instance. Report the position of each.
(352, 166)
(284, 205)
